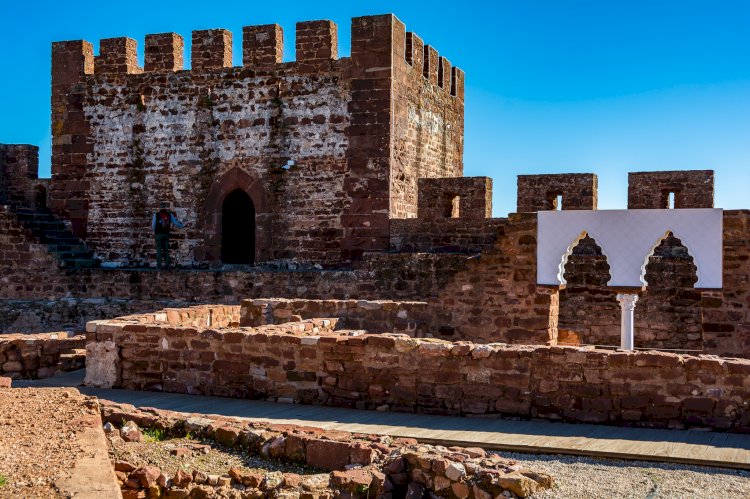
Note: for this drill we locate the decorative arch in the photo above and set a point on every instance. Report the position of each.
(234, 179)
(627, 238)
(656, 245)
(571, 248)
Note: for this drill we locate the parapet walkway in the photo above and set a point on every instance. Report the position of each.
(677, 446)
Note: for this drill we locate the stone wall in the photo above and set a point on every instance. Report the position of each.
(446, 235)
(578, 191)
(426, 376)
(71, 314)
(364, 466)
(34, 356)
(690, 189)
(23, 261)
(485, 298)
(726, 313)
(19, 169)
(222, 119)
(126, 139)
(374, 316)
(428, 119)
(494, 298)
(380, 276)
(589, 312)
(668, 314)
(459, 197)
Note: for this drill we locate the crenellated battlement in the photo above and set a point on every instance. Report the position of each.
(212, 49)
(262, 46)
(117, 56)
(357, 132)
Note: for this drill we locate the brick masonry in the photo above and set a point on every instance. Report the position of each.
(364, 466)
(126, 138)
(377, 316)
(34, 356)
(650, 389)
(469, 295)
(668, 313)
(19, 180)
(578, 191)
(691, 189)
(460, 197)
(374, 206)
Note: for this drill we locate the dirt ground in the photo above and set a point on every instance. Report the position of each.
(38, 444)
(188, 454)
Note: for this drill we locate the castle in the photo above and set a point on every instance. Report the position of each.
(318, 154)
(325, 177)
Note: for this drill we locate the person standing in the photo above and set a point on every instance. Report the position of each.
(161, 224)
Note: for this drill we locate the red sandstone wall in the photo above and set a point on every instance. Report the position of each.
(40, 355)
(447, 235)
(428, 119)
(489, 298)
(194, 127)
(375, 316)
(125, 139)
(726, 314)
(23, 262)
(494, 298)
(430, 376)
(19, 169)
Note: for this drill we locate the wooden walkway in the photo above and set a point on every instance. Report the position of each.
(678, 446)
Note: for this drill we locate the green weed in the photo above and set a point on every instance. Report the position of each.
(155, 435)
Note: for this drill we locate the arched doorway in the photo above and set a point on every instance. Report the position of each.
(238, 228)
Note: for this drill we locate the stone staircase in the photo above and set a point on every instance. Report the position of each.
(49, 230)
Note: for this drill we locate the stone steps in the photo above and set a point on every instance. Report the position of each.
(49, 230)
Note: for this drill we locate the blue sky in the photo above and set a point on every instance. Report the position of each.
(602, 86)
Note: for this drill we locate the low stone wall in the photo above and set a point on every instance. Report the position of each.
(63, 314)
(396, 372)
(362, 466)
(200, 316)
(33, 356)
(374, 316)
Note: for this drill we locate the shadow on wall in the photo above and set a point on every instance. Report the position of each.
(668, 315)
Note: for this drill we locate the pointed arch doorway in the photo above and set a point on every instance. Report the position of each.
(238, 228)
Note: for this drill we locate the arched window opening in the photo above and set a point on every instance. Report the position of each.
(589, 312)
(668, 314)
(238, 228)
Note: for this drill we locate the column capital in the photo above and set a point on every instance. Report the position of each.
(627, 300)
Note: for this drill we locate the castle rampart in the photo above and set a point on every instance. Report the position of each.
(349, 172)
(317, 134)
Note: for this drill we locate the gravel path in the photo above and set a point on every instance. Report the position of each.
(593, 478)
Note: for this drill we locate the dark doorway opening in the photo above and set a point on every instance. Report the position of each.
(238, 228)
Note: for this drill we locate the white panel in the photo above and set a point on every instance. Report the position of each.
(627, 238)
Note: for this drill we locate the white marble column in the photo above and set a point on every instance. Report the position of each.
(627, 307)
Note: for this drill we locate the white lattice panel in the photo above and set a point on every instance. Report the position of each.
(627, 238)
